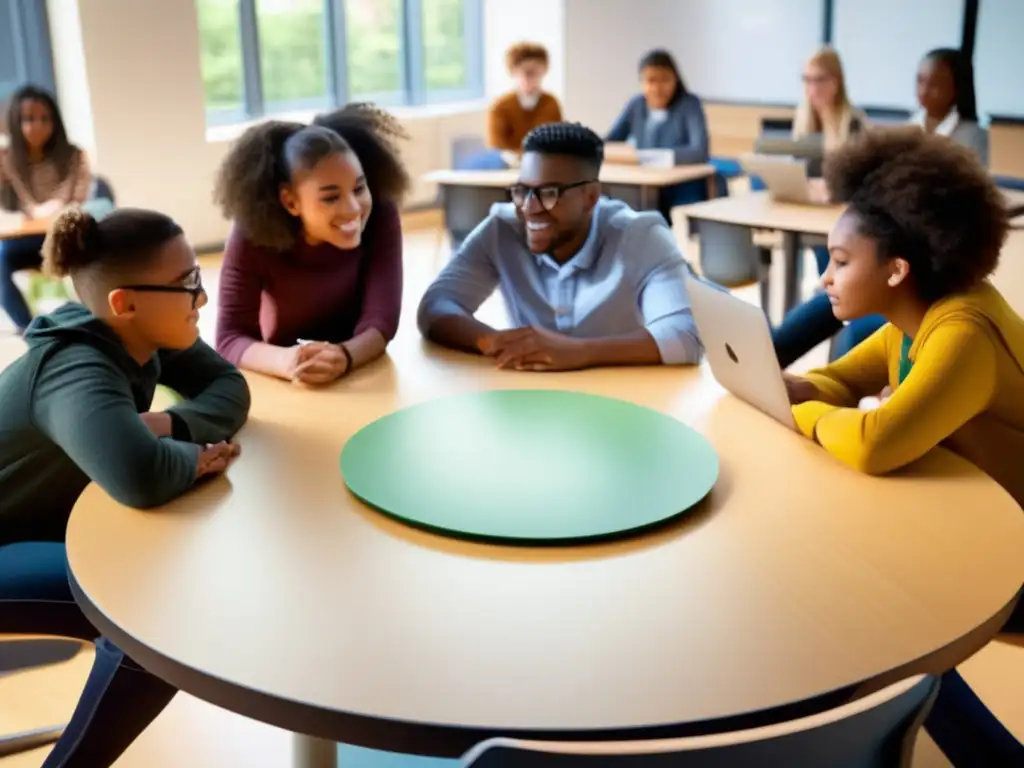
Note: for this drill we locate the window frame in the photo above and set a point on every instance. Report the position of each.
(413, 91)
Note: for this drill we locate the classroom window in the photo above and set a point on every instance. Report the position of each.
(264, 57)
(373, 45)
(292, 53)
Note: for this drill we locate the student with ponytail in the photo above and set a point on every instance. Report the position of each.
(75, 409)
(311, 285)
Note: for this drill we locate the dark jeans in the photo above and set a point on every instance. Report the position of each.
(962, 727)
(120, 698)
(809, 324)
(16, 255)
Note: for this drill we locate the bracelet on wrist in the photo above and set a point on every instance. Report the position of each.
(348, 356)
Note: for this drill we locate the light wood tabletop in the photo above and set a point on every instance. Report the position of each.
(13, 227)
(630, 175)
(275, 593)
(758, 211)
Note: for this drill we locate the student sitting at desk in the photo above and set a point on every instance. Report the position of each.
(918, 253)
(40, 173)
(515, 114)
(587, 281)
(316, 251)
(945, 91)
(75, 409)
(666, 116)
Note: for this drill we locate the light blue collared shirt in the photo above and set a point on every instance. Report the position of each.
(629, 275)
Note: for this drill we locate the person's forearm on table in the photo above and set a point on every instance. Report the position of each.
(267, 359)
(365, 347)
(458, 332)
(637, 348)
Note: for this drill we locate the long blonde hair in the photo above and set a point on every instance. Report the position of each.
(807, 119)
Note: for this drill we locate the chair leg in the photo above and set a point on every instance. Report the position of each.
(764, 272)
(28, 740)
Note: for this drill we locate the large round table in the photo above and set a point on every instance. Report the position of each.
(274, 593)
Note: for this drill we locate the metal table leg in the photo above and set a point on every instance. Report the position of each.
(311, 752)
(791, 249)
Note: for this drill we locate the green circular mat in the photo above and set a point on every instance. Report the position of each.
(531, 465)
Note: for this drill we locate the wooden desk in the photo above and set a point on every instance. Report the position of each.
(758, 211)
(468, 195)
(13, 227)
(274, 593)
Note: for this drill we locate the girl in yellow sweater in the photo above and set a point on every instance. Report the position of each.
(922, 231)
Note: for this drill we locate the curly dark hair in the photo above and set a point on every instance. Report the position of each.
(268, 155)
(925, 199)
(569, 139)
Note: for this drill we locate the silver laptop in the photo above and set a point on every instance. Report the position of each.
(785, 177)
(739, 348)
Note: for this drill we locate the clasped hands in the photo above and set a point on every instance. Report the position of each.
(316, 363)
(535, 349)
(214, 458)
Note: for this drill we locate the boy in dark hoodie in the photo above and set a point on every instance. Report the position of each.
(74, 409)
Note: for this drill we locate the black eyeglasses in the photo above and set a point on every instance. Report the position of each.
(547, 195)
(192, 284)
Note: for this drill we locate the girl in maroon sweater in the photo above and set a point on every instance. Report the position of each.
(311, 285)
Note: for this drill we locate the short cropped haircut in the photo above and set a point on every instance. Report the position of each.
(524, 51)
(925, 199)
(569, 140)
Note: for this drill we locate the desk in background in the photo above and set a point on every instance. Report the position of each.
(13, 227)
(728, 255)
(467, 196)
(274, 593)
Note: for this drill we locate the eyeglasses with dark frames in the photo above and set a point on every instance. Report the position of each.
(191, 283)
(547, 195)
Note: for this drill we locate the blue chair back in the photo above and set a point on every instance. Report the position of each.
(101, 190)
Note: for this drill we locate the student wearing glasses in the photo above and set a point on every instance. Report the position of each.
(945, 93)
(587, 281)
(311, 285)
(75, 409)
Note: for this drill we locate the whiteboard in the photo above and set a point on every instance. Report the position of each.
(746, 50)
(999, 57)
(881, 42)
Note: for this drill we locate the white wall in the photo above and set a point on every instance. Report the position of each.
(999, 57)
(604, 40)
(512, 21)
(882, 41)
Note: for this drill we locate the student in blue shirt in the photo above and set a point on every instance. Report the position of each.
(587, 281)
(666, 116)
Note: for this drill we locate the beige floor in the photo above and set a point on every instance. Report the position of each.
(195, 734)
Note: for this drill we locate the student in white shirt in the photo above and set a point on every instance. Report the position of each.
(945, 92)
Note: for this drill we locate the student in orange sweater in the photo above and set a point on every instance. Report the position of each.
(922, 230)
(517, 113)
